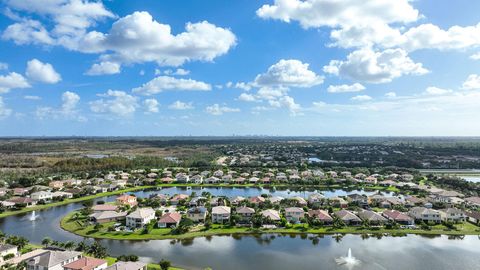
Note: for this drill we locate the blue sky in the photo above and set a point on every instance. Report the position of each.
(284, 67)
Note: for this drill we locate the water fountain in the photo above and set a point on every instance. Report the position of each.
(348, 261)
(33, 217)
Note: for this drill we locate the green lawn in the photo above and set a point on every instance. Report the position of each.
(157, 234)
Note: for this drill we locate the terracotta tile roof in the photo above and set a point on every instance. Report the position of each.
(85, 263)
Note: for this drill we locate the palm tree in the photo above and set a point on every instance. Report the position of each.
(69, 245)
(46, 241)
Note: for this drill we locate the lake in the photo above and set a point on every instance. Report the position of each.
(267, 251)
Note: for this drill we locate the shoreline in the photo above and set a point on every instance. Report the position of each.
(163, 234)
(139, 188)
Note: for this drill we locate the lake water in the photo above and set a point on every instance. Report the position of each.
(267, 251)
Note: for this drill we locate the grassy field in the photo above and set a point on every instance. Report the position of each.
(157, 234)
(132, 189)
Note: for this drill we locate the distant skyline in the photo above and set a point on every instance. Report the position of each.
(276, 67)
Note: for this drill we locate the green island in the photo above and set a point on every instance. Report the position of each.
(77, 226)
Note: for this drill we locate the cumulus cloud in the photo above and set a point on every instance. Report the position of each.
(28, 32)
(361, 98)
(345, 88)
(391, 95)
(166, 83)
(104, 68)
(289, 73)
(217, 109)
(367, 65)
(432, 90)
(475, 56)
(28, 97)
(4, 110)
(67, 110)
(116, 103)
(472, 82)
(318, 13)
(11, 81)
(247, 97)
(42, 72)
(179, 105)
(151, 105)
(178, 72)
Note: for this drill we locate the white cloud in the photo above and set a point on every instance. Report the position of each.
(4, 110)
(151, 105)
(67, 110)
(475, 56)
(432, 90)
(391, 95)
(318, 13)
(69, 102)
(181, 72)
(361, 98)
(344, 88)
(115, 102)
(11, 81)
(42, 72)
(367, 65)
(472, 82)
(3, 66)
(166, 83)
(28, 32)
(216, 109)
(287, 102)
(179, 105)
(289, 73)
(247, 97)
(104, 68)
(32, 97)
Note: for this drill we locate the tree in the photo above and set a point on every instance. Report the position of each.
(47, 241)
(18, 241)
(97, 250)
(164, 264)
(69, 245)
(82, 246)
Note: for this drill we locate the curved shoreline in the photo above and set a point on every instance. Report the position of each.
(139, 188)
(217, 231)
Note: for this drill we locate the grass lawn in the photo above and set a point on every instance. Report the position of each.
(157, 234)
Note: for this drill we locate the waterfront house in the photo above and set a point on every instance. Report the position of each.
(7, 204)
(62, 194)
(300, 201)
(52, 260)
(398, 217)
(321, 215)
(104, 207)
(197, 201)
(169, 220)
(360, 200)
(257, 200)
(315, 198)
(107, 216)
(56, 184)
(348, 217)
(218, 173)
(473, 201)
(197, 179)
(276, 199)
(22, 201)
(127, 200)
(86, 263)
(452, 215)
(372, 217)
(294, 214)
(167, 180)
(6, 249)
(473, 217)
(41, 196)
(245, 214)
(177, 198)
(140, 217)
(220, 214)
(212, 180)
(237, 200)
(197, 214)
(338, 202)
(127, 266)
(20, 191)
(425, 214)
(182, 178)
(271, 215)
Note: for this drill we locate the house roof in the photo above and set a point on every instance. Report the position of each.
(245, 210)
(396, 215)
(221, 210)
(272, 214)
(5, 247)
(347, 215)
(473, 214)
(104, 207)
(127, 266)
(371, 216)
(320, 214)
(142, 213)
(294, 210)
(108, 215)
(53, 257)
(170, 218)
(85, 263)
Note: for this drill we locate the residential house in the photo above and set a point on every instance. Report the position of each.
(6, 249)
(182, 178)
(321, 215)
(86, 263)
(348, 217)
(18, 201)
(276, 199)
(197, 179)
(473, 217)
(197, 214)
(220, 214)
(127, 266)
(398, 217)
(52, 260)
(104, 207)
(237, 200)
(271, 215)
(360, 200)
(245, 214)
(20, 191)
(127, 200)
(107, 216)
(62, 194)
(41, 196)
(169, 220)
(473, 201)
(257, 200)
(372, 217)
(315, 198)
(56, 184)
(294, 214)
(452, 215)
(425, 214)
(177, 198)
(140, 217)
(212, 180)
(300, 201)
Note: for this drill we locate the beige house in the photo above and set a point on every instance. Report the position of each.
(294, 214)
(140, 217)
(220, 214)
